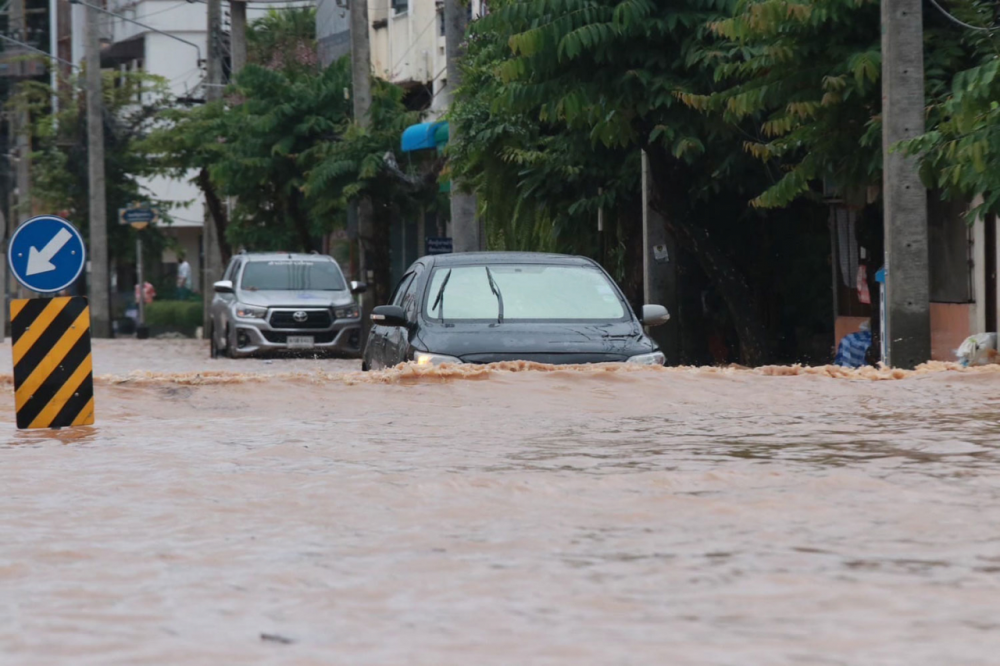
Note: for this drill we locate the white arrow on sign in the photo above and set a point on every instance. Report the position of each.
(39, 261)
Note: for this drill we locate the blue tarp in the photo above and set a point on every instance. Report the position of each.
(425, 136)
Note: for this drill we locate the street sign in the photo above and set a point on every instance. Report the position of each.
(139, 215)
(46, 254)
(438, 245)
(53, 368)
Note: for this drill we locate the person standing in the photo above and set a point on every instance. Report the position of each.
(183, 277)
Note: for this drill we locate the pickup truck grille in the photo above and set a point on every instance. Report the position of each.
(322, 338)
(313, 319)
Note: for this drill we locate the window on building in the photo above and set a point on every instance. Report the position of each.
(400, 6)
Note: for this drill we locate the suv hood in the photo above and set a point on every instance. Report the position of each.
(545, 342)
(295, 299)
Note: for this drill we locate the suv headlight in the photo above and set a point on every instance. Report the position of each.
(250, 311)
(347, 312)
(427, 358)
(656, 358)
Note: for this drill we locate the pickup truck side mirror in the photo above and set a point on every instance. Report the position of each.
(358, 287)
(389, 315)
(654, 315)
(223, 287)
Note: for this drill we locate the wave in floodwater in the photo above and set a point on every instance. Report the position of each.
(411, 373)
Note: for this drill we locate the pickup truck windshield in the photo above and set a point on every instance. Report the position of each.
(292, 275)
(529, 291)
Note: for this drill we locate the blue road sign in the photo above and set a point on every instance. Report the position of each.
(139, 215)
(46, 254)
(437, 245)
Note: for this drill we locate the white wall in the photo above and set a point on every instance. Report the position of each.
(411, 48)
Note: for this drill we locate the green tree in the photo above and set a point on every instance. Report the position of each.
(284, 39)
(803, 77)
(960, 152)
(363, 162)
(59, 161)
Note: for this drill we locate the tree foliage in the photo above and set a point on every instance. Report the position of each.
(59, 162)
(960, 152)
(805, 80)
(284, 39)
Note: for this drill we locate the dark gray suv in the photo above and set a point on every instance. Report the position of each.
(284, 302)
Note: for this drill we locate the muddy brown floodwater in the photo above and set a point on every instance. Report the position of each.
(294, 512)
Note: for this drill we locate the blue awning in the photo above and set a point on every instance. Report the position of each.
(424, 136)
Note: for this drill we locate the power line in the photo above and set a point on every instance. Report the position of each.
(163, 11)
(959, 22)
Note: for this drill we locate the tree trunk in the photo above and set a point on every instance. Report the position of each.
(630, 232)
(300, 222)
(218, 212)
(720, 269)
(377, 249)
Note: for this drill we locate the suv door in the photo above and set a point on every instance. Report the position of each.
(397, 342)
(375, 350)
(221, 303)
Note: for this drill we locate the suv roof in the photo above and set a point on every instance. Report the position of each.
(271, 256)
(477, 258)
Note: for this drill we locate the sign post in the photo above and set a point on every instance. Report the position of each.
(53, 368)
(139, 216)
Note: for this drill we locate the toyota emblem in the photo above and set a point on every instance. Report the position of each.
(300, 316)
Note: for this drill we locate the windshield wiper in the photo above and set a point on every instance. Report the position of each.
(496, 292)
(439, 300)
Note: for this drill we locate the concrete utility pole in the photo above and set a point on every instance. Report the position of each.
(659, 271)
(237, 35)
(212, 269)
(100, 306)
(361, 84)
(4, 314)
(905, 199)
(18, 26)
(467, 235)
(22, 127)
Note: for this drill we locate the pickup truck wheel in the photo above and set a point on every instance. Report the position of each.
(213, 348)
(230, 344)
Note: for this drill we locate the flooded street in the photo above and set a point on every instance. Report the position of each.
(563, 517)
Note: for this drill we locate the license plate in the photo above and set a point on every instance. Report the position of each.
(300, 341)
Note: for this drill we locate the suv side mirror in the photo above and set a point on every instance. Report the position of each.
(358, 287)
(389, 315)
(654, 315)
(223, 287)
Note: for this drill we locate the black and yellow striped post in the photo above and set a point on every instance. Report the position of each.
(53, 368)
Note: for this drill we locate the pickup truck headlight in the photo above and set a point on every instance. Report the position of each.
(427, 358)
(250, 311)
(347, 312)
(656, 358)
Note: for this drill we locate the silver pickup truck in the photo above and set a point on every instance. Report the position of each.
(284, 302)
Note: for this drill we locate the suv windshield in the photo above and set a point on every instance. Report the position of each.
(292, 275)
(529, 291)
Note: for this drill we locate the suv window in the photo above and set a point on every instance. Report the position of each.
(400, 290)
(292, 274)
(409, 300)
(231, 270)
